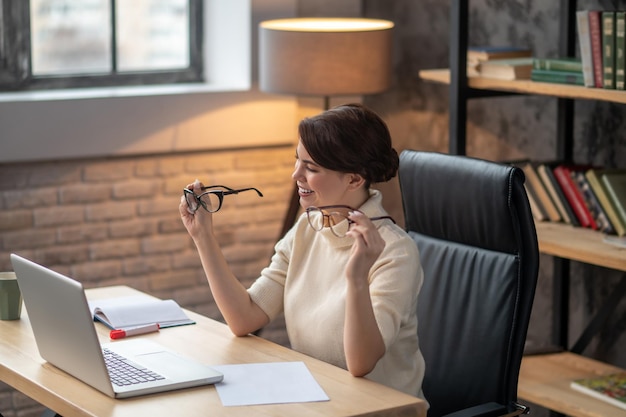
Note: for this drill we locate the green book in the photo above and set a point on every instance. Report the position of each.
(558, 64)
(615, 184)
(620, 46)
(608, 49)
(560, 77)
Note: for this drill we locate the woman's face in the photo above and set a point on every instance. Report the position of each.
(318, 186)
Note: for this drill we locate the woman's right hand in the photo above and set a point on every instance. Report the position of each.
(195, 222)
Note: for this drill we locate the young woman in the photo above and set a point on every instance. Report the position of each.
(345, 276)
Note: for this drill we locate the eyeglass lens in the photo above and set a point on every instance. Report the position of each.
(211, 201)
(338, 222)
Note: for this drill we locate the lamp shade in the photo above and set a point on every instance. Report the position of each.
(325, 56)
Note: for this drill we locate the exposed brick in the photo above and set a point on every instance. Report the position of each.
(14, 220)
(174, 225)
(145, 265)
(54, 174)
(97, 270)
(84, 193)
(245, 252)
(146, 168)
(114, 248)
(169, 281)
(158, 206)
(30, 198)
(164, 244)
(133, 228)
(111, 211)
(28, 239)
(108, 171)
(187, 259)
(217, 162)
(172, 165)
(82, 233)
(62, 255)
(137, 189)
(56, 216)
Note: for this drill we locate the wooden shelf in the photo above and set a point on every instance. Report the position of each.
(545, 380)
(530, 87)
(579, 244)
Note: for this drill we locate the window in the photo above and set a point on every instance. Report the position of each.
(47, 44)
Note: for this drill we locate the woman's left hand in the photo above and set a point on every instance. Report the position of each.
(367, 247)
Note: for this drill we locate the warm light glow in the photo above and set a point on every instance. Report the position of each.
(327, 24)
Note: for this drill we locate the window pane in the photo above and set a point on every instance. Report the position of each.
(70, 36)
(152, 34)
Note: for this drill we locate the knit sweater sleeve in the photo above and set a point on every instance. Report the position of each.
(395, 282)
(268, 290)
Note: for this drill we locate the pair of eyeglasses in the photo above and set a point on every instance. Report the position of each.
(335, 217)
(212, 199)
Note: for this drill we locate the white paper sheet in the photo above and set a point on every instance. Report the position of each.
(268, 383)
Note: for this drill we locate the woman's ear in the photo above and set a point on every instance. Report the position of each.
(355, 181)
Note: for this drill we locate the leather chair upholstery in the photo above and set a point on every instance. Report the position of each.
(472, 223)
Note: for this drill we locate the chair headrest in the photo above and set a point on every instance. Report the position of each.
(459, 198)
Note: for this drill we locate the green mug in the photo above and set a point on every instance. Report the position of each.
(10, 297)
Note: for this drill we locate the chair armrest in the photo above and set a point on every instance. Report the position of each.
(489, 410)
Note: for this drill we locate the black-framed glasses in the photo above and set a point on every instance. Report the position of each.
(335, 217)
(212, 199)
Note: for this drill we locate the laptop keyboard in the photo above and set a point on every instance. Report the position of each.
(124, 372)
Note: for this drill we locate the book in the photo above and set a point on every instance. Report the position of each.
(506, 69)
(595, 35)
(550, 183)
(536, 209)
(592, 203)
(534, 181)
(584, 43)
(620, 47)
(615, 184)
(128, 312)
(478, 54)
(608, 48)
(609, 388)
(563, 175)
(558, 64)
(560, 77)
(619, 241)
(593, 176)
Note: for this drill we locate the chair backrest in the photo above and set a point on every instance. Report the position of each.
(475, 232)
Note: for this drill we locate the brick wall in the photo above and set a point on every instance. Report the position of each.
(115, 221)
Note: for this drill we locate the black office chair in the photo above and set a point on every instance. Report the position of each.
(472, 223)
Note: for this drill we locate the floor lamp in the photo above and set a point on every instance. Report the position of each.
(323, 57)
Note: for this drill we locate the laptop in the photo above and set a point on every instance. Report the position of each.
(66, 337)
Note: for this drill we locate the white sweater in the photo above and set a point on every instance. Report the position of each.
(306, 280)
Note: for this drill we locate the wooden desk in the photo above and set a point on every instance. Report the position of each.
(209, 342)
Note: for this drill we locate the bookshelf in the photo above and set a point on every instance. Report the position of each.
(544, 378)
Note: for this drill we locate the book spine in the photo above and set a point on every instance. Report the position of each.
(547, 177)
(613, 195)
(592, 203)
(595, 35)
(620, 46)
(562, 175)
(608, 49)
(560, 77)
(557, 64)
(584, 42)
(598, 188)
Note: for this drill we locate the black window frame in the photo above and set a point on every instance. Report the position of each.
(15, 56)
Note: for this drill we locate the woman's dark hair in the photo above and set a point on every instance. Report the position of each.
(353, 139)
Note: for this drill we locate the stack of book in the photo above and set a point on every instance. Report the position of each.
(579, 195)
(498, 62)
(602, 41)
(558, 70)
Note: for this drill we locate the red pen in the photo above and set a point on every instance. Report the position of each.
(133, 331)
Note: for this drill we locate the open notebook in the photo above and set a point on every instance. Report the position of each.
(66, 337)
